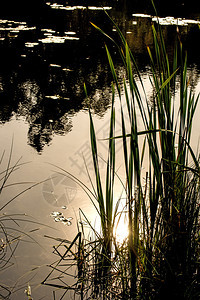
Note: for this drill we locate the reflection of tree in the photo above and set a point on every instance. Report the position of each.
(47, 97)
(45, 116)
(138, 33)
(40, 135)
(7, 105)
(44, 84)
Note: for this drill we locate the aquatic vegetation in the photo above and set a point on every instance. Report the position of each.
(159, 258)
(142, 15)
(59, 217)
(167, 20)
(174, 21)
(48, 30)
(13, 26)
(12, 29)
(31, 45)
(57, 39)
(62, 7)
(99, 8)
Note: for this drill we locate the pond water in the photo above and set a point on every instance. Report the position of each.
(43, 113)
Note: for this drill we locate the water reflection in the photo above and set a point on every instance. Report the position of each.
(43, 68)
(44, 65)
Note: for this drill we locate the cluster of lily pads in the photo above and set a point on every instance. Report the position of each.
(60, 6)
(59, 217)
(13, 28)
(168, 20)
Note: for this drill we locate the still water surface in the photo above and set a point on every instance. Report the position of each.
(44, 65)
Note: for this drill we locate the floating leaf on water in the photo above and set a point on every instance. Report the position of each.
(30, 28)
(7, 29)
(58, 6)
(174, 21)
(23, 23)
(3, 21)
(67, 221)
(68, 7)
(48, 30)
(53, 40)
(70, 32)
(64, 207)
(67, 70)
(80, 7)
(55, 66)
(15, 27)
(56, 39)
(56, 214)
(47, 33)
(72, 38)
(142, 15)
(192, 22)
(23, 27)
(59, 219)
(107, 7)
(99, 8)
(31, 45)
(55, 97)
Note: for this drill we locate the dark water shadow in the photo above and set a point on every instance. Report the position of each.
(43, 81)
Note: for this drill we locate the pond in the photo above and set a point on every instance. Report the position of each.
(44, 122)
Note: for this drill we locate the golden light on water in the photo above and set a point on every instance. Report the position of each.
(121, 229)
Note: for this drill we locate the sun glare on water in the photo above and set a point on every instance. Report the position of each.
(121, 230)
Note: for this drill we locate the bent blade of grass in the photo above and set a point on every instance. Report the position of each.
(110, 173)
(100, 197)
(21, 193)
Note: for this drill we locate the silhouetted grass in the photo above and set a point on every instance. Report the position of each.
(160, 258)
(11, 229)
